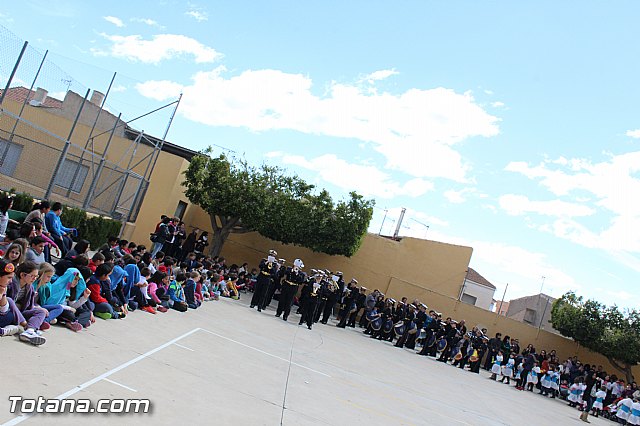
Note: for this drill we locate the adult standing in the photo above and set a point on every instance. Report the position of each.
(189, 244)
(267, 272)
(160, 236)
(312, 293)
(180, 235)
(202, 242)
(293, 278)
(494, 346)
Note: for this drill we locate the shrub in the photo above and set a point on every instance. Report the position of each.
(96, 229)
(23, 202)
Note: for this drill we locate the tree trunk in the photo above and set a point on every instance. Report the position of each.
(220, 233)
(624, 367)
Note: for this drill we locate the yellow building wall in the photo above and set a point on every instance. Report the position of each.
(439, 266)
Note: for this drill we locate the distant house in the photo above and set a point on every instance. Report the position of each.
(500, 307)
(533, 310)
(477, 290)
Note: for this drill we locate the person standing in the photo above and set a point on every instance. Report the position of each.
(494, 347)
(312, 293)
(360, 304)
(189, 244)
(349, 304)
(267, 271)
(293, 278)
(333, 287)
(160, 236)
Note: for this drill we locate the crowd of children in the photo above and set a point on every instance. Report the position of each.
(119, 278)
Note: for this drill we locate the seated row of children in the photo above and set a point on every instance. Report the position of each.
(35, 295)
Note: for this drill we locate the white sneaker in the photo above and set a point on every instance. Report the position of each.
(32, 337)
(10, 330)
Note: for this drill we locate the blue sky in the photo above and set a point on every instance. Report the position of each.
(509, 127)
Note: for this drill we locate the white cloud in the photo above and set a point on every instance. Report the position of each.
(147, 21)
(635, 134)
(488, 92)
(367, 180)
(416, 130)
(497, 104)
(458, 197)
(159, 90)
(119, 88)
(198, 15)
(517, 205)
(115, 21)
(614, 187)
(160, 47)
(379, 75)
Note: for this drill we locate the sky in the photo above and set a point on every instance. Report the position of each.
(510, 127)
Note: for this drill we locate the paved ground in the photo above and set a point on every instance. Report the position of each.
(226, 364)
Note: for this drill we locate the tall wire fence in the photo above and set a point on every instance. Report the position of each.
(62, 141)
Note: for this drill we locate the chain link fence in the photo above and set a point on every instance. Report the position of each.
(60, 141)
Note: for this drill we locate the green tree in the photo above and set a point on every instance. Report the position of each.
(603, 329)
(242, 198)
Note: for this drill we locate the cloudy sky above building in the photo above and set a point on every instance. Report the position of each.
(509, 127)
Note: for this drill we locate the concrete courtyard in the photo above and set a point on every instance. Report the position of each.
(226, 364)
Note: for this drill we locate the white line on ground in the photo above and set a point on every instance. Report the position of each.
(263, 352)
(120, 384)
(183, 347)
(103, 376)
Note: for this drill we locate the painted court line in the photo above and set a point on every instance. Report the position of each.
(103, 376)
(183, 347)
(121, 385)
(263, 352)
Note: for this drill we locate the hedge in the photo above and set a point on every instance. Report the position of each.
(21, 202)
(96, 229)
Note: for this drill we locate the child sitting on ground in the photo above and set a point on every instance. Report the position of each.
(25, 301)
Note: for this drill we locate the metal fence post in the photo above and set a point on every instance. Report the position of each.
(24, 103)
(86, 145)
(13, 72)
(98, 172)
(67, 144)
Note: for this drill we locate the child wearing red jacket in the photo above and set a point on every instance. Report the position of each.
(96, 284)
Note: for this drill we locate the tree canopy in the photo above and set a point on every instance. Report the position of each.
(240, 198)
(603, 329)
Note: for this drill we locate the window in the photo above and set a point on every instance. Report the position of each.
(467, 298)
(529, 316)
(8, 166)
(68, 171)
(182, 207)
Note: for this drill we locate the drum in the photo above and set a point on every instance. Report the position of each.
(376, 324)
(423, 334)
(474, 356)
(458, 356)
(413, 329)
(388, 326)
(442, 344)
(398, 328)
(431, 341)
